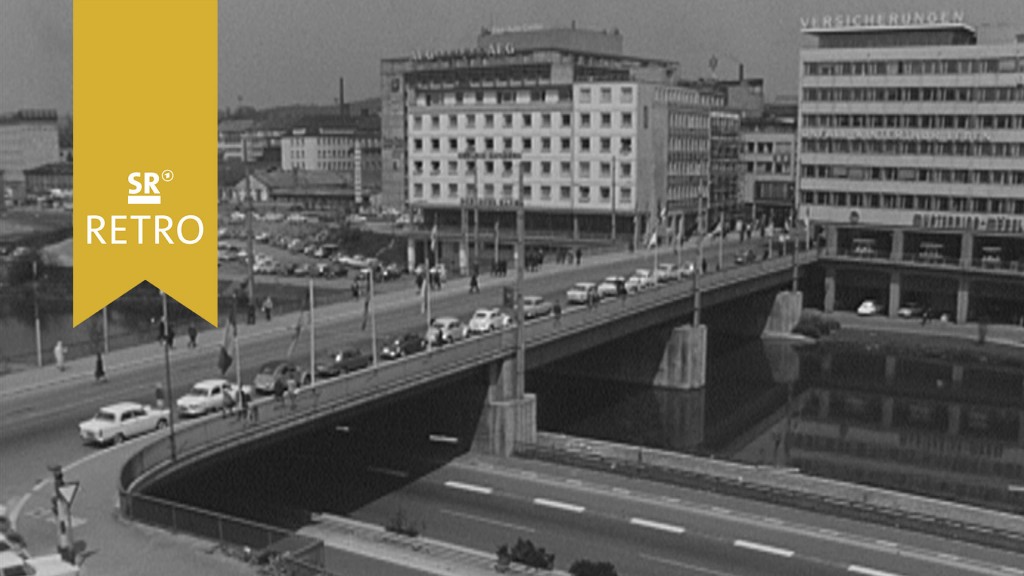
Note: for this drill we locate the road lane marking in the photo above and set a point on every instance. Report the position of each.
(687, 566)
(528, 474)
(388, 472)
(657, 525)
(558, 505)
(770, 520)
(886, 543)
(828, 532)
(949, 557)
(468, 487)
(869, 571)
(618, 490)
(516, 527)
(441, 439)
(764, 548)
(1009, 570)
(719, 510)
(574, 482)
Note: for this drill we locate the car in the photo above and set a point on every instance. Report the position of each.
(295, 245)
(118, 422)
(403, 220)
(687, 269)
(869, 308)
(745, 257)
(581, 293)
(393, 271)
(535, 307)
(309, 249)
(273, 217)
(279, 371)
(295, 218)
(348, 360)
(325, 251)
(355, 219)
(612, 286)
(910, 310)
(640, 280)
(262, 237)
(265, 267)
(237, 216)
(487, 320)
(303, 270)
(208, 396)
(667, 273)
(12, 564)
(403, 346)
(445, 330)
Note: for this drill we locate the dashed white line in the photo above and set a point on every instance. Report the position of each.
(468, 487)
(618, 490)
(657, 525)
(770, 520)
(886, 543)
(388, 472)
(828, 532)
(719, 510)
(670, 499)
(527, 474)
(441, 439)
(952, 557)
(559, 505)
(574, 482)
(764, 548)
(869, 571)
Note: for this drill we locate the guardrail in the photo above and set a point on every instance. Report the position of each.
(802, 499)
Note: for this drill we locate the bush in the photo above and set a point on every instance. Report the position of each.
(527, 554)
(591, 568)
(814, 324)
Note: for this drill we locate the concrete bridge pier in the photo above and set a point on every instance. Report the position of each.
(509, 415)
(683, 361)
(682, 417)
(785, 312)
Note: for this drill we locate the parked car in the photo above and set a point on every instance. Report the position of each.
(238, 216)
(118, 422)
(326, 250)
(403, 346)
(612, 286)
(262, 237)
(445, 330)
(273, 217)
(745, 256)
(295, 218)
(640, 280)
(302, 270)
(869, 308)
(348, 360)
(488, 319)
(309, 249)
(535, 307)
(295, 245)
(668, 273)
(208, 396)
(687, 269)
(581, 293)
(12, 564)
(910, 310)
(393, 271)
(279, 371)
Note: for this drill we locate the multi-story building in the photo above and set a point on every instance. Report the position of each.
(597, 143)
(911, 138)
(339, 145)
(238, 137)
(28, 138)
(768, 163)
(724, 191)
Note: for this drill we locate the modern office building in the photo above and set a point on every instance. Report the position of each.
(768, 165)
(911, 136)
(583, 131)
(28, 138)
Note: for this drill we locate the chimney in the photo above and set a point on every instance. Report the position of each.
(341, 97)
(741, 72)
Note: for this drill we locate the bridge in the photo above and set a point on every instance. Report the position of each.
(509, 414)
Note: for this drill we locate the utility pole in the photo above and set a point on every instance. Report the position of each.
(698, 267)
(35, 308)
(614, 162)
(106, 332)
(476, 212)
(167, 374)
(251, 312)
(520, 316)
(63, 496)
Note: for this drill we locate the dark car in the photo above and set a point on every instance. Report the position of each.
(745, 257)
(348, 360)
(279, 371)
(403, 346)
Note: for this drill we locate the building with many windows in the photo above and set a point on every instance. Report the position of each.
(28, 138)
(349, 147)
(598, 143)
(911, 136)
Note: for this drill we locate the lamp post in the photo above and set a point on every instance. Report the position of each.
(167, 374)
(251, 260)
(520, 316)
(698, 268)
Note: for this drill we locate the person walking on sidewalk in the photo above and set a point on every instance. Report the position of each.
(579, 256)
(474, 282)
(170, 337)
(192, 334)
(101, 374)
(355, 289)
(58, 354)
(268, 308)
(557, 309)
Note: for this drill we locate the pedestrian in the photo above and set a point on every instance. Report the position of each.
(193, 333)
(474, 283)
(159, 395)
(355, 290)
(268, 308)
(292, 386)
(924, 316)
(279, 389)
(557, 308)
(170, 336)
(704, 266)
(58, 354)
(579, 256)
(228, 400)
(160, 330)
(101, 374)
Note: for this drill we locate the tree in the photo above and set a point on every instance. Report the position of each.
(592, 568)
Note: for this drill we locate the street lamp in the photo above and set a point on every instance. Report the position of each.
(520, 315)
(167, 373)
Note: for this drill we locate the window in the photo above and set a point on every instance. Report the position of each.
(435, 168)
(489, 167)
(435, 144)
(566, 120)
(417, 122)
(488, 120)
(545, 144)
(565, 192)
(453, 144)
(565, 169)
(536, 95)
(435, 190)
(606, 144)
(606, 95)
(489, 190)
(526, 167)
(417, 144)
(417, 167)
(585, 95)
(527, 192)
(506, 168)
(585, 144)
(527, 144)
(606, 169)
(506, 144)
(545, 120)
(506, 190)
(606, 120)
(453, 190)
(584, 169)
(584, 120)
(453, 168)
(626, 195)
(584, 193)
(506, 120)
(527, 120)
(471, 121)
(627, 119)
(489, 144)
(417, 190)
(626, 146)
(545, 192)
(453, 121)
(545, 168)
(626, 94)
(479, 96)
(626, 170)
(435, 122)
(566, 145)
(606, 193)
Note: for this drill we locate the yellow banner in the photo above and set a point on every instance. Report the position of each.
(145, 110)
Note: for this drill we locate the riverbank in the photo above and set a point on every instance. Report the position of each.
(1003, 344)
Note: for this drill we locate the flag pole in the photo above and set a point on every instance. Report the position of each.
(312, 337)
(373, 320)
(234, 341)
(167, 372)
(721, 241)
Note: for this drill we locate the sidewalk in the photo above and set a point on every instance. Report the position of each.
(1002, 334)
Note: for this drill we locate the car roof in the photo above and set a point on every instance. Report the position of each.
(210, 383)
(122, 406)
(445, 320)
(486, 311)
(585, 284)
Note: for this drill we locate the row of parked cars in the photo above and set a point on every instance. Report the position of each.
(641, 279)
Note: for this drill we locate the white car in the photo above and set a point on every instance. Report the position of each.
(535, 307)
(869, 308)
(488, 319)
(12, 564)
(687, 269)
(640, 280)
(118, 422)
(446, 329)
(580, 292)
(611, 287)
(668, 273)
(208, 396)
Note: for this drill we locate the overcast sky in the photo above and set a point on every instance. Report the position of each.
(293, 51)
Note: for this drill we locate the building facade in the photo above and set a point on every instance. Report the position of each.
(28, 138)
(351, 152)
(768, 165)
(911, 137)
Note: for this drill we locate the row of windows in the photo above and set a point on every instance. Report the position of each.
(934, 175)
(913, 147)
(526, 120)
(601, 169)
(916, 94)
(915, 202)
(767, 147)
(544, 144)
(584, 194)
(494, 97)
(625, 94)
(346, 141)
(768, 168)
(345, 166)
(914, 67)
(925, 121)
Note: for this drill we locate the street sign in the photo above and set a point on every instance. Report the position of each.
(67, 492)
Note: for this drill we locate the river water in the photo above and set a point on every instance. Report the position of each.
(893, 419)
